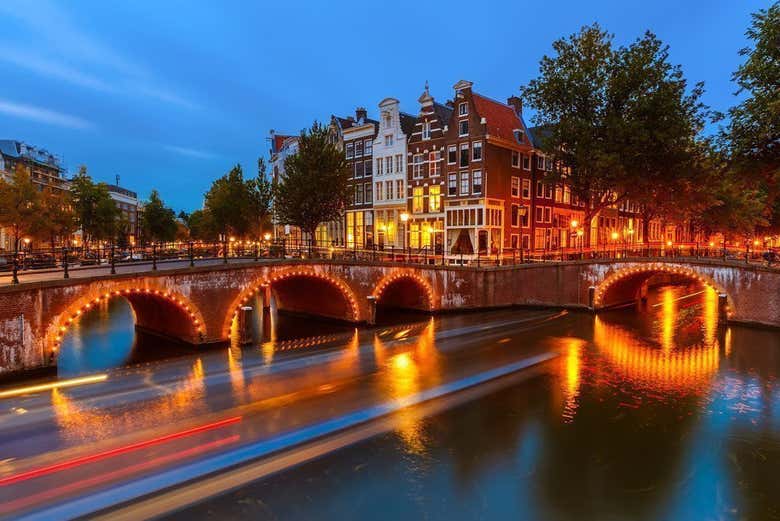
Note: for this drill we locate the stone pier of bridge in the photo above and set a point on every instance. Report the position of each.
(197, 305)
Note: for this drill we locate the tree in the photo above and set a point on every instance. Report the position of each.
(201, 226)
(96, 213)
(158, 222)
(261, 194)
(620, 123)
(19, 204)
(752, 136)
(229, 204)
(314, 187)
(56, 221)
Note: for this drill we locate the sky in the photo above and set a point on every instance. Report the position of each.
(171, 94)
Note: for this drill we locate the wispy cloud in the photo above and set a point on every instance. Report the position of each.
(190, 152)
(69, 54)
(43, 115)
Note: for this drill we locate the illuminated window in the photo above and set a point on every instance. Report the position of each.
(434, 198)
(417, 199)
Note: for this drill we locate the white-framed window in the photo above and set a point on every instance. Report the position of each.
(539, 214)
(389, 140)
(463, 109)
(547, 214)
(368, 192)
(434, 163)
(452, 154)
(399, 163)
(463, 127)
(368, 147)
(548, 164)
(359, 194)
(434, 198)
(526, 188)
(558, 194)
(548, 191)
(464, 154)
(515, 216)
(515, 186)
(350, 150)
(515, 159)
(417, 199)
(389, 165)
(464, 183)
(399, 188)
(358, 169)
(476, 182)
(526, 162)
(539, 189)
(417, 166)
(426, 130)
(378, 190)
(359, 149)
(540, 162)
(476, 151)
(389, 189)
(369, 167)
(379, 164)
(566, 194)
(452, 184)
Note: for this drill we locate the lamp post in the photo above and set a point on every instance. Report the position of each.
(575, 232)
(614, 236)
(404, 219)
(522, 211)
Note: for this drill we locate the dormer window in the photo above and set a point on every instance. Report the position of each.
(463, 109)
(519, 135)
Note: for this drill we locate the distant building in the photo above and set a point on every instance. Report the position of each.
(46, 170)
(128, 203)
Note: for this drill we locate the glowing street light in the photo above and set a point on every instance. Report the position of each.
(267, 236)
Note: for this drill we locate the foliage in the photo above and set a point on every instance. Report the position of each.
(158, 222)
(56, 221)
(201, 227)
(96, 213)
(19, 204)
(314, 187)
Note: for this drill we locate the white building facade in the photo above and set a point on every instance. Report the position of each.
(390, 186)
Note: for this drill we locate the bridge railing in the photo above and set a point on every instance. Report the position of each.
(113, 258)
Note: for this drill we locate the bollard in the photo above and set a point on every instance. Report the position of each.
(65, 263)
(192, 257)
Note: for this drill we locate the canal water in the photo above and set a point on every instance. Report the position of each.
(652, 414)
(648, 414)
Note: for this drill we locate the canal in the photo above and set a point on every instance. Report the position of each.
(647, 414)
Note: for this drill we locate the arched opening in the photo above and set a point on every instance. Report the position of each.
(292, 305)
(401, 297)
(122, 327)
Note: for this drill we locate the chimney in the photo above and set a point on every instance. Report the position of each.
(360, 114)
(516, 103)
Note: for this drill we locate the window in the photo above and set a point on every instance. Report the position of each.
(389, 189)
(369, 167)
(558, 194)
(368, 192)
(539, 189)
(379, 164)
(389, 165)
(358, 166)
(548, 191)
(350, 150)
(426, 130)
(548, 164)
(399, 188)
(476, 182)
(463, 109)
(452, 184)
(476, 151)
(526, 162)
(547, 214)
(379, 190)
(540, 162)
(388, 140)
(566, 195)
(464, 154)
(464, 183)
(515, 215)
(526, 188)
(538, 213)
(434, 164)
(359, 149)
(526, 242)
(434, 198)
(417, 166)
(358, 194)
(514, 241)
(515, 186)
(398, 163)
(452, 154)
(463, 128)
(515, 159)
(524, 219)
(417, 199)
(368, 148)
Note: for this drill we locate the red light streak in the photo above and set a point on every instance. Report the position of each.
(57, 467)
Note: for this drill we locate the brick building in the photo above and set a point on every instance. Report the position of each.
(358, 134)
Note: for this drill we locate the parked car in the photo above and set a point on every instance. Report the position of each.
(39, 262)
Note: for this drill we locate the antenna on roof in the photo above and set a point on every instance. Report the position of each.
(117, 179)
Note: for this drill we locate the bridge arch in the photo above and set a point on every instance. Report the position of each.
(159, 311)
(405, 289)
(625, 284)
(303, 291)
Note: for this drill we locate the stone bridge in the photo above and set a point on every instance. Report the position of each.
(197, 305)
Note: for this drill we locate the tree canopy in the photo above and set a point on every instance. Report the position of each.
(158, 222)
(19, 204)
(314, 186)
(96, 212)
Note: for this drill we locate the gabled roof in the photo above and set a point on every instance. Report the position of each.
(502, 120)
(407, 123)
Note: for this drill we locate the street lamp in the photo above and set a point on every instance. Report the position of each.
(404, 218)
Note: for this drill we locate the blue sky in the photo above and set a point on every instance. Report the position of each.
(170, 94)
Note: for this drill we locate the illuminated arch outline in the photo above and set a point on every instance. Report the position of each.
(254, 288)
(60, 325)
(398, 275)
(650, 269)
